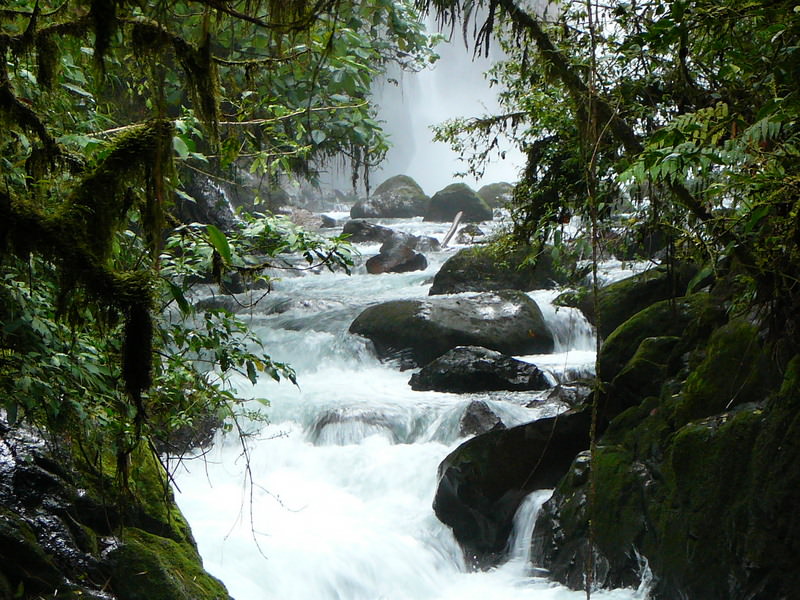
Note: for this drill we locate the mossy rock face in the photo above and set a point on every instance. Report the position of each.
(478, 269)
(713, 504)
(149, 567)
(61, 518)
(417, 331)
(397, 197)
(619, 301)
(496, 195)
(644, 373)
(664, 318)
(455, 198)
(734, 370)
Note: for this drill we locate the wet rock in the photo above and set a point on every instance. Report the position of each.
(478, 418)
(359, 230)
(60, 517)
(472, 369)
(478, 269)
(573, 394)
(397, 197)
(483, 481)
(468, 234)
(396, 256)
(422, 330)
(619, 301)
(458, 197)
(209, 204)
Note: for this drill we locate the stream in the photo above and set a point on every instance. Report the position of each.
(333, 499)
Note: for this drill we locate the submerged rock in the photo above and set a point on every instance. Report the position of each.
(458, 197)
(473, 369)
(419, 331)
(479, 418)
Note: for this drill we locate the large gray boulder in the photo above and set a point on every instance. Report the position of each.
(455, 198)
(472, 369)
(398, 197)
(418, 331)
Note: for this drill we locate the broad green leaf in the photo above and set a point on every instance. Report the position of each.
(220, 243)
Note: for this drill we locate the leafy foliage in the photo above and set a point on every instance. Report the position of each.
(103, 107)
(685, 117)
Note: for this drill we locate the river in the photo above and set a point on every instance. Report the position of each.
(333, 499)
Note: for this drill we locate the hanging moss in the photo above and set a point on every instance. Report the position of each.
(150, 38)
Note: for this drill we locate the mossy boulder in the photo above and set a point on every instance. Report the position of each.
(619, 301)
(664, 318)
(705, 489)
(418, 331)
(734, 369)
(481, 269)
(496, 195)
(483, 481)
(458, 197)
(398, 197)
(144, 566)
(64, 519)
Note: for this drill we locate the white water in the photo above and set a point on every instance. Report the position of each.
(336, 504)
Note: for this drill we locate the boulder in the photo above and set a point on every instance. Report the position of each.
(710, 504)
(483, 481)
(397, 255)
(455, 198)
(67, 529)
(359, 230)
(496, 195)
(204, 201)
(480, 269)
(418, 331)
(478, 418)
(397, 197)
(473, 369)
(619, 301)
(468, 233)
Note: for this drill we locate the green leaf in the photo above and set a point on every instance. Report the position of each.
(220, 243)
(318, 136)
(180, 146)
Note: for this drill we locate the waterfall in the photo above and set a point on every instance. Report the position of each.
(333, 499)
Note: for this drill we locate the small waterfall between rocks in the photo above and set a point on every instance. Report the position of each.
(333, 499)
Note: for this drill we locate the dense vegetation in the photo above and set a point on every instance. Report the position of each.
(107, 107)
(681, 114)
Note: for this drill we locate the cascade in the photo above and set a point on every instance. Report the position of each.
(333, 499)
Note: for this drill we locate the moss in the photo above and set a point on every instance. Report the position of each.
(735, 370)
(645, 372)
(708, 509)
(664, 318)
(148, 567)
(619, 301)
